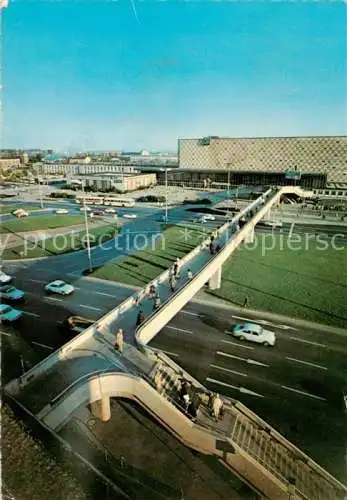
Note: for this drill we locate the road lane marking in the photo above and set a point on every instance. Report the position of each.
(242, 318)
(307, 363)
(240, 389)
(31, 314)
(54, 298)
(249, 361)
(37, 281)
(285, 327)
(43, 345)
(235, 343)
(180, 330)
(192, 314)
(5, 333)
(265, 322)
(170, 353)
(90, 307)
(303, 393)
(308, 342)
(229, 371)
(214, 381)
(105, 294)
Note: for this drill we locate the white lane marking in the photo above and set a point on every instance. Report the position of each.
(36, 281)
(192, 314)
(285, 327)
(90, 307)
(105, 294)
(308, 342)
(264, 322)
(229, 371)
(43, 345)
(240, 389)
(169, 353)
(5, 333)
(235, 343)
(31, 314)
(213, 380)
(242, 318)
(249, 361)
(303, 393)
(54, 298)
(307, 363)
(180, 330)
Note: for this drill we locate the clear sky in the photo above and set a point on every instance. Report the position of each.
(95, 74)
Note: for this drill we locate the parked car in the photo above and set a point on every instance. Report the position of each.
(110, 211)
(97, 212)
(5, 278)
(130, 216)
(61, 211)
(59, 287)
(20, 213)
(8, 314)
(10, 292)
(76, 324)
(85, 209)
(254, 333)
(209, 217)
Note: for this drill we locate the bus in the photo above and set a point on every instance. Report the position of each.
(90, 200)
(116, 201)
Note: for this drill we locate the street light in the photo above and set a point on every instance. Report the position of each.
(87, 230)
(166, 192)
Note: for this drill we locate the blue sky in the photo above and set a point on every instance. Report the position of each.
(93, 75)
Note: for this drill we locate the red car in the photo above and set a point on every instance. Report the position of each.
(98, 212)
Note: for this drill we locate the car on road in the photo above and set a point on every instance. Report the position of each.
(59, 287)
(61, 211)
(96, 212)
(209, 217)
(5, 278)
(20, 213)
(270, 223)
(85, 209)
(8, 314)
(10, 292)
(254, 333)
(110, 211)
(130, 216)
(76, 324)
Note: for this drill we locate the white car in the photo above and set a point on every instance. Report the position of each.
(4, 278)
(20, 213)
(209, 217)
(61, 211)
(130, 216)
(85, 209)
(110, 211)
(272, 223)
(59, 287)
(254, 333)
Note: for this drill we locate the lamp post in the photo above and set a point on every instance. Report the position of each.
(228, 179)
(166, 193)
(87, 230)
(40, 192)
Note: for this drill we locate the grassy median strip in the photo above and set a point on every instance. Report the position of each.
(308, 282)
(160, 253)
(60, 244)
(37, 223)
(7, 209)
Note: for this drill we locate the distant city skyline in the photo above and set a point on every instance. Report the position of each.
(137, 76)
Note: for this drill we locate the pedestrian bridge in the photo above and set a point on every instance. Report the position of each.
(88, 370)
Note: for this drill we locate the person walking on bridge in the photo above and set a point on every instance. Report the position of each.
(172, 283)
(119, 344)
(189, 274)
(217, 407)
(157, 302)
(176, 268)
(140, 318)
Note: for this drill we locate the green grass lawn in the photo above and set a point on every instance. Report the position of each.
(143, 266)
(309, 284)
(37, 223)
(7, 209)
(60, 244)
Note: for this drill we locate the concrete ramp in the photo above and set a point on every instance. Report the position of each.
(243, 442)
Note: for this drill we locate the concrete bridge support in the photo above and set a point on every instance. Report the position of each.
(250, 237)
(216, 280)
(101, 409)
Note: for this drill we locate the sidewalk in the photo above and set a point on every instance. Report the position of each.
(204, 298)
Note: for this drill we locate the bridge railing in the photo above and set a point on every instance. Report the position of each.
(103, 323)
